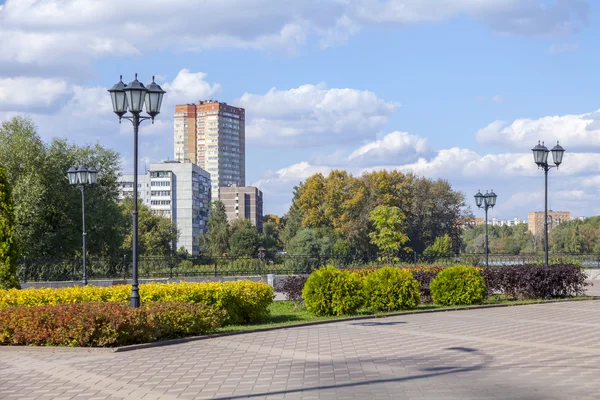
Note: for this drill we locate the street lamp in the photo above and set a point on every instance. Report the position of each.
(486, 202)
(132, 98)
(83, 176)
(540, 157)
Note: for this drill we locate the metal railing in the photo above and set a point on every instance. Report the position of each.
(49, 269)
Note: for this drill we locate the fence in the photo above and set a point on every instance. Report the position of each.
(47, 269)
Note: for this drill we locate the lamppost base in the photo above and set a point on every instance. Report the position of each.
(134, 301)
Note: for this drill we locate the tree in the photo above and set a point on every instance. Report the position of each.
(157, 235)
(47, 209)
(311, 202)
(441, 247)
(388, 235)
(292, 221)
(8, 249)
(217, 239)
(244, 240)
(435, 210)
(305, 243)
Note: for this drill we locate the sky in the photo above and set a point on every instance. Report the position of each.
(459, 90)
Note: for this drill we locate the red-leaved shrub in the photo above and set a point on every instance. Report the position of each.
(105, 324)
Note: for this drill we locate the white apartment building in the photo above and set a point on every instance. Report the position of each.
(179, 191)
(508, 222)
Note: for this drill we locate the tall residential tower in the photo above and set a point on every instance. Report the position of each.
(212, 135)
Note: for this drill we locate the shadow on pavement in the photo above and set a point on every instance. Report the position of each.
(432, 372)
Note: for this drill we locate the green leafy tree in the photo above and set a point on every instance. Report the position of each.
(305, 243)
(8, 249)
(244, 240)
(292, 221)
(441, 247)
(216, 241)
(388, 236)
(47, 209)
(157, 235)
(270, 237)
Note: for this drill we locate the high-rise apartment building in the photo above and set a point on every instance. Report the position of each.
(212, 135)
(179, 191)
(243, 202)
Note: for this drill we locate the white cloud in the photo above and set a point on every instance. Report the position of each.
(519, 17)
(558, 48)
(392, 148)
(21, 92)
(313, 115)
(72, 33)
(77, 31)
(573, 131)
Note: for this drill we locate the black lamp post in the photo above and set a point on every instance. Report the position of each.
(486, 202)
(540, 156)
(83, 176)
(132, 98)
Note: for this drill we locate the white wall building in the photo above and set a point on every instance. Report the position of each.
(179, 191)
(508, 222)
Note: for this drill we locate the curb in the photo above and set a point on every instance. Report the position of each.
(271, 328)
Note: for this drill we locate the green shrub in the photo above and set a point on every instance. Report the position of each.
(329, 291)
(458, 286)
(390, 289)
(105, 324)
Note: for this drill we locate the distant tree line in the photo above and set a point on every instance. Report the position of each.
(577, 237)
(335, 214)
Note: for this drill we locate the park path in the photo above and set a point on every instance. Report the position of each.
(544, 351)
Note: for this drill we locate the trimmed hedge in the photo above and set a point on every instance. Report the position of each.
(105, 324)
(458, 286)
(533, 281)
(244, 301)
(330, 291)
(390, 289)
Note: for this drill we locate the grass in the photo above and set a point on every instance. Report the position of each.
(289, 313)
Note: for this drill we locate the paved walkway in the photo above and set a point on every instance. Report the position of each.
(547, 351)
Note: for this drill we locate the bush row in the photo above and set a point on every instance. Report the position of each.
(105, 324)
(244, 301)
(330, 291)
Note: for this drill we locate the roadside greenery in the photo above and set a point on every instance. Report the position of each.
(8, 248)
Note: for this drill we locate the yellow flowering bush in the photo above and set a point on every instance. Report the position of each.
(244, 301)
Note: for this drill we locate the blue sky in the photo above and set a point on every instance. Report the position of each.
(457, 90)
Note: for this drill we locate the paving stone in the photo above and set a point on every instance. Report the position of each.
(545, 351)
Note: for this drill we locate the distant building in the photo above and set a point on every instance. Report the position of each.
(555, 218)
(243, 202)
(212, 135)
(507, 222)
(471, 222)
(179, 191)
